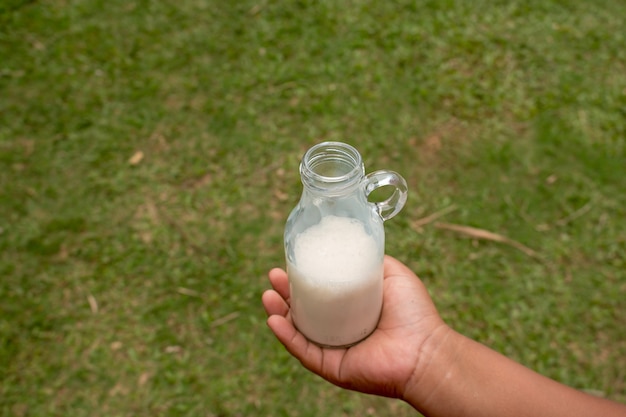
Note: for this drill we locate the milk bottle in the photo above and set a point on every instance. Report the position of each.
(334, 245)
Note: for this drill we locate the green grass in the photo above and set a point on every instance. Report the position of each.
(134, 289)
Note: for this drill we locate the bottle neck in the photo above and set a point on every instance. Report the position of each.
(332, 169)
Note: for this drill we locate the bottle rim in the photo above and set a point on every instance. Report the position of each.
(331, 165)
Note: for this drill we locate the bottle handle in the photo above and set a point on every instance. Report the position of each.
(392, 205)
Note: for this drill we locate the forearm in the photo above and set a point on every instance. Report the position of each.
(460, 377)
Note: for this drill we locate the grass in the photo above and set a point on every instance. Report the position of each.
(131, 281)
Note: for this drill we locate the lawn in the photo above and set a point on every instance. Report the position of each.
(149, 157)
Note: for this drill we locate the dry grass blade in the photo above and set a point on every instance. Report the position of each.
(93, 303)
(432, 217)
(575, 215)
(225, 319)
(476, 233)
(136, 158)
(188, 292)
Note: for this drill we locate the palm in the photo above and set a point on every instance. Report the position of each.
(382, 363)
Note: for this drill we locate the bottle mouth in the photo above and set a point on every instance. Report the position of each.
(331, 165)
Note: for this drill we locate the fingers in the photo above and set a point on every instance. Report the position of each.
(280, 283)
(274, 303)
(286, 333)
(309, 354)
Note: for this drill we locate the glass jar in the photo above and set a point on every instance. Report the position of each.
(335, 245)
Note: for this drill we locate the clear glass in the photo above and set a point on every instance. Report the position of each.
(335, 245)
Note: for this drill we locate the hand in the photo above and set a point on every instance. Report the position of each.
(414, 356)
(389, 359)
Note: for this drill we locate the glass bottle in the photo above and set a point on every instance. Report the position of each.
(335, 245)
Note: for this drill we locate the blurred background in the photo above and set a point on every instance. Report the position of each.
(149, 157)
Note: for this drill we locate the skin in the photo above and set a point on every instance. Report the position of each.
(413, 355)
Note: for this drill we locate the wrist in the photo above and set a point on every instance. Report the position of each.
(436, 368)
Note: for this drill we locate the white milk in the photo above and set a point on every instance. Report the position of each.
(336, 282)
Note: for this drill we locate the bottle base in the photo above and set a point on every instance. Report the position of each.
(339, 346)
(346, 346)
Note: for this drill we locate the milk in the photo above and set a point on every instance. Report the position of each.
(336, 281)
